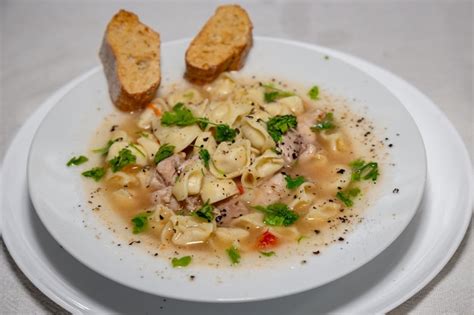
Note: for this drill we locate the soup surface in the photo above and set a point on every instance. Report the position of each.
(234, 169)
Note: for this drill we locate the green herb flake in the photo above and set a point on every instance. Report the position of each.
(105, 149)
(272, 93)
(268, 254)
(300, 238)
(313, 93)
(326, 57)
(205, 212)
(233, 254)
(165, 151)
(138, 150)
(279, 125)
(124, 158)
(203, 122)
(95, 173)
(365, 171)
(178, 116)
(181, 262)
(327, 123)
(77, 160)
(143, 134)
(140, 222)
(347, 196)
(225, 133)
(293, 183)
(204, 156)
(278, 214)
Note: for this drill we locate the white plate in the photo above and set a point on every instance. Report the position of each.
(56, 190)
(394, 276)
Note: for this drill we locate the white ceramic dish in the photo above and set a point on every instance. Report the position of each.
(56, 190)
(398, 273)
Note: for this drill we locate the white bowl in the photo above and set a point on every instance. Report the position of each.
(56, 190)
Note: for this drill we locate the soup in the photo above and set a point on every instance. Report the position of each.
(235, 168)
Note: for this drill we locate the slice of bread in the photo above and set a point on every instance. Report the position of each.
(130, 54)
(221, 45)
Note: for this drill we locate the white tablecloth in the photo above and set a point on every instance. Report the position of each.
(44, 44)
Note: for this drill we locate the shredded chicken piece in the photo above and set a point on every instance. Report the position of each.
(192, 203)
(290, 146)
(165, 197)
(230, 209)
(167, 170)
(270, 191)
(304, 126)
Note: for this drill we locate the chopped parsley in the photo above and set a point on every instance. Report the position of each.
(278, 214)
(140, 222)
(268, 254)
(365, 171)
(347, 196)
(181, 262)
(182, 116)
(233, 254)
(327, 123)
(277, 126)
(313, 93)
(178, 116)
(300, 238)
(138, 150)
(95, 173)
(77, 160)
(204, 156)
(203, 122)
(225, 133)
(165, 151)
(124, 158)
(205, 212)
(272, 93)
(293, 183)
(105, 149)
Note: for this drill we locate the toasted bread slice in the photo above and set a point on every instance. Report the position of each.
(130, 54)
(221, 45)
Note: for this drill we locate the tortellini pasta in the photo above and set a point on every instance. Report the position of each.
(160, 217)
(265, 165)
(189, 183)
(231, 159)
(215, 189)
(150, 146)
(250, 221)
(187, 96)
(121, 179)
(225, 237)
(335, 140)
(189, 230)
(340, 179)
(222, 87)
(320, 212)
(285, 106)
(304, 197)
(226, 112)
(205, 141)
(179, 137)
(254, 129)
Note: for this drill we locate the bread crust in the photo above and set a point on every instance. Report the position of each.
(123, 99)
(233, 61)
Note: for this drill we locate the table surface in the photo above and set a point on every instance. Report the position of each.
(44, 44)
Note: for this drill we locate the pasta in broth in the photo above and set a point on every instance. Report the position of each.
(233, 167)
